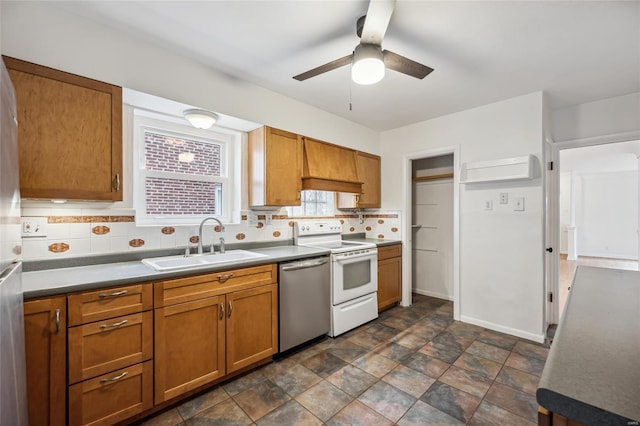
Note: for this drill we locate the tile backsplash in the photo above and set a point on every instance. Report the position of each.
(83, 233)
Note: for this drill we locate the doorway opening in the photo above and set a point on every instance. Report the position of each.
(431, 229)
(598, 210)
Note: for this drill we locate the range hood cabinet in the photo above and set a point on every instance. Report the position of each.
(329, 167)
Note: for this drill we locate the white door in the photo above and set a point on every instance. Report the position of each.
(433, 238)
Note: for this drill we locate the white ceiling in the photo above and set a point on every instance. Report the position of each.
(482, 52)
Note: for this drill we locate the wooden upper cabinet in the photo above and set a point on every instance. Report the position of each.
(69, 134)
(368, 166)
(275, 167)
(329, 167)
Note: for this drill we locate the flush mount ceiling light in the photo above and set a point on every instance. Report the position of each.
(200, 118)
(368, 64)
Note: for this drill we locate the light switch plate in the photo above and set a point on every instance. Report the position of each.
(519, 204)
(268, 218)
(33, 227)
(253, 219)
(488, 205)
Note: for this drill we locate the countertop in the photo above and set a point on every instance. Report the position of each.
(50, 282)
(592, 373)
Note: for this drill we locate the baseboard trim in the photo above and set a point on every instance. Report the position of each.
(607, 256)
(432, 294)
(502, 329)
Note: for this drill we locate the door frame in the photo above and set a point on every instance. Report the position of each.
(553, 206)
(407, 213)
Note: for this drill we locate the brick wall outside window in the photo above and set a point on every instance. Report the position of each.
(194, 198)
(178, 197)
(162, 153)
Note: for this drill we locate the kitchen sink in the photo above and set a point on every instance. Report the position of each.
(169, 263)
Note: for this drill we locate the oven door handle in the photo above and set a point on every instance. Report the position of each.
(305, 265)
(343, 257)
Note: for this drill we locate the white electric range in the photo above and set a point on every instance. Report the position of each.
(354, 273)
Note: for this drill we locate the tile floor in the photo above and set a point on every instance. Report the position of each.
(411, 366)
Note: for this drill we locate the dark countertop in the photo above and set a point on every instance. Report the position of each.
(592, 373)
(79, 274)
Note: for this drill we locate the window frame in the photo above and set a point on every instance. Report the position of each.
(230, 142)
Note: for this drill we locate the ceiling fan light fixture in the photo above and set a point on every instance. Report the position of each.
(368, 64)
(200, 118)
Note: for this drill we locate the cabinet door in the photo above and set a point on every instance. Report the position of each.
(368, 166)
(369, 173)
(275, 167)
(252, 326)
(189, 346)
(45, 329)
(70, 134)
(389, 282)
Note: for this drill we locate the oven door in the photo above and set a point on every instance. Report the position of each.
(354, 275)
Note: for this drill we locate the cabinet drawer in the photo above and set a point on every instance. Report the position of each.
(107, 345)
(108, 303)
(112, 397)
(197, 287)
(387, 252)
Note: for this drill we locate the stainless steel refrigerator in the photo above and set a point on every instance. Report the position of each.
(13, 395)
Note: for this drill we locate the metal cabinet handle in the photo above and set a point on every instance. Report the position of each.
(114, 294)
(224, 278)
(116, 182)
(115, 324)
(57, 321)
(221, 311)
(113, 379)
(230, 308)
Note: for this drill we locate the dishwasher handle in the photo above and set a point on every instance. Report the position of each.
(305, 265)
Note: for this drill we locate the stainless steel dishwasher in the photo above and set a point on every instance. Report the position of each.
(305, 301)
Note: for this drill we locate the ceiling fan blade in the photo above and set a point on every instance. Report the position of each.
(377, 21)
(324, 68)
(405, 65)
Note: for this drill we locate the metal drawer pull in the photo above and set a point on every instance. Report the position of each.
(114, 294)
(115, 324)
(57, 321)
(221, 311)
(230, 308)
(113, 379)
(224, 278)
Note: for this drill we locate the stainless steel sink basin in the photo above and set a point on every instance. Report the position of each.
(169, 263)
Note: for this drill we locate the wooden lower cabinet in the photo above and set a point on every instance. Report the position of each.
(45, 329)
(112, 397)
(389, 276)
(252, 326)
(189, 346)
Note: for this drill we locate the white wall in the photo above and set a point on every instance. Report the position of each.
(605, 117)
(501, 251)
(39, 32)
(607, 214)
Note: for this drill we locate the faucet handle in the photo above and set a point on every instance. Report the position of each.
(187, 249)
(222, 248)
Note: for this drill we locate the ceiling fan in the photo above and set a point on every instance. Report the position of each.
(368, 59)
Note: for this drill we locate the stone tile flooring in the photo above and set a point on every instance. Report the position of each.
(411, 366)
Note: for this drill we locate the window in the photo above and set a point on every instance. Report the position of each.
(183, 174)
(314, 203)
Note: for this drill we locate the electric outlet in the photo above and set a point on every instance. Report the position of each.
(268, 218)
(519, 204)
(34, 227)
(504, 198)
(488, 205)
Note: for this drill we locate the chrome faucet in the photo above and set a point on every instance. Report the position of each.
(200, 234)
